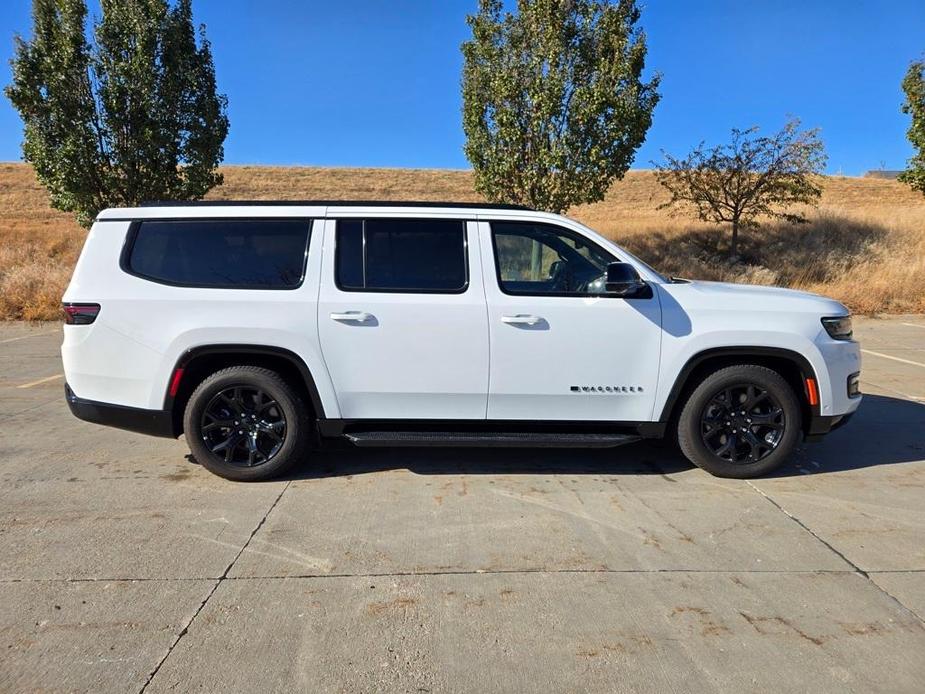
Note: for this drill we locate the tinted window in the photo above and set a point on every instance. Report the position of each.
(414, 255)
(258, 254)
(545, 259)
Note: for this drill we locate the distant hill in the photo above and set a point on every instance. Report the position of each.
(865, 245)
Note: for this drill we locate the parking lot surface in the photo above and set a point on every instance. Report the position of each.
(126, 567)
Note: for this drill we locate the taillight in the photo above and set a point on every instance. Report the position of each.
(80, 314)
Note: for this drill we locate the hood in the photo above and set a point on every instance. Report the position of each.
(721, 295)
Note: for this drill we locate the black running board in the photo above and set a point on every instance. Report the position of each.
(410, 439)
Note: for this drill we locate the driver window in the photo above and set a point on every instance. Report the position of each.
(545, 259)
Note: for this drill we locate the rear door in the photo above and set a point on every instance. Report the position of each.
(402, 318)
(561, 348)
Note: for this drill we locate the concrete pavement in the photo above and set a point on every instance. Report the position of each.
(124, 567)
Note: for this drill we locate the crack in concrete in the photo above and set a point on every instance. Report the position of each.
(208, 597)
(465, 572)
(855, 568)
(19, 413)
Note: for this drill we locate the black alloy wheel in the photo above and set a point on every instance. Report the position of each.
(247, 423)
(244, 426)
(742, 423)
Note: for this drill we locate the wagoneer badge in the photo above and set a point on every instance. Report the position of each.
(614, 390)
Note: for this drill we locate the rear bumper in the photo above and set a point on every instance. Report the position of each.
(150, 422)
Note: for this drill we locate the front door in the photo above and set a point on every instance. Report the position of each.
(561, 348)
(401, 316)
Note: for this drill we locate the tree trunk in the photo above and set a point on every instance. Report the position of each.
(735, 241)
(536, 261)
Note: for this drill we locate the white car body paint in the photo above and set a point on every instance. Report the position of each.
(468, 356)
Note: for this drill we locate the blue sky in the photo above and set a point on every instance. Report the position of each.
(372, 83)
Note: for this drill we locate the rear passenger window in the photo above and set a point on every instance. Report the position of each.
(401, 255)
(227, 253)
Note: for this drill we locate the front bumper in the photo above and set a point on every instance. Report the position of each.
(820, 425)
(841, 360)
(840, 397)
(150, 422)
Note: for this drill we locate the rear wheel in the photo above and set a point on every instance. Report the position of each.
(741, 421)
(246, 423)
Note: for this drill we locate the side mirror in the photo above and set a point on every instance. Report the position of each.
(623, 280)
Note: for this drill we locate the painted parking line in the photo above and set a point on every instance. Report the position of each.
(26, 337)
(914, 325)
(41, 381)
(899, 359)
(914, 398)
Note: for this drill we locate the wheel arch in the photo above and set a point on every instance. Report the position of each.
(793, 366)
(199, 362)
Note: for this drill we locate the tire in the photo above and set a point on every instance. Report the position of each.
(714, 434)
(273, 421)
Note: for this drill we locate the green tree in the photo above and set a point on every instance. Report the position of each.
(749, 178)
(554, 105)
(914, 87)
(132, 116)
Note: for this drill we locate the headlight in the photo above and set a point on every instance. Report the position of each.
(838, 328)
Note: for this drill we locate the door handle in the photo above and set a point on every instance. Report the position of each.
(521, 319)
(353, 316)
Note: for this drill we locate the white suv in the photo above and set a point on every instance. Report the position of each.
(262, 330)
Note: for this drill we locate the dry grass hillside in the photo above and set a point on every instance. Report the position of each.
(865, 245)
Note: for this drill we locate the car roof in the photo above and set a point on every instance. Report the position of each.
(312, 208)
(334, 203)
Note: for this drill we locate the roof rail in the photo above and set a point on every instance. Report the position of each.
(330, 203)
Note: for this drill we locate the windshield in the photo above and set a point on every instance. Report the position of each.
(661, 277)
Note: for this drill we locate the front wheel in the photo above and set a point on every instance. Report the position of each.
(741, 421)
(246, 423)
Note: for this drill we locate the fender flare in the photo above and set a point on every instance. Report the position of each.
(258, 350)
(797, 359)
